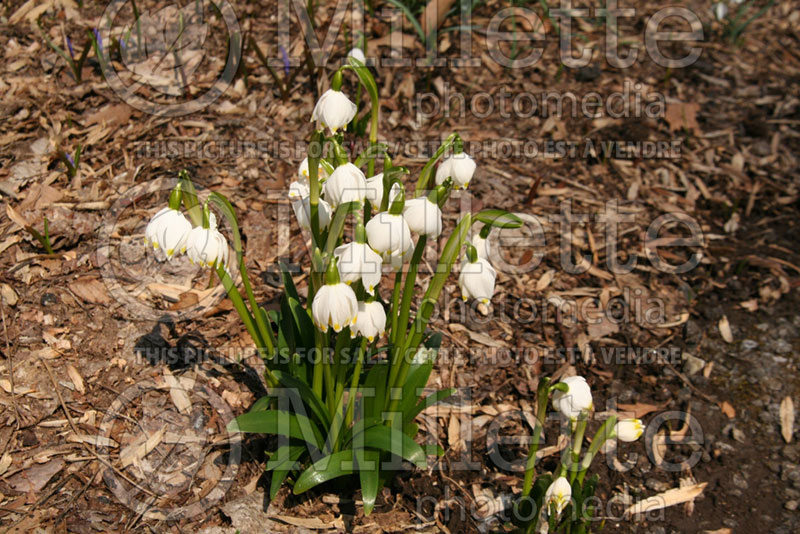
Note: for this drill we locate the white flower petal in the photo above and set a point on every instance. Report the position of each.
(334, 110)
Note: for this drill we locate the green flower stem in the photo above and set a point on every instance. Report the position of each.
(314, 155)
(449, 255)
(337, 227)
(408, 292)
(542, 396)
(603, 434)
(398, 278)
(316, 380)
(427, 169)
(342, 342)
(577, 444)
(373, 134)
(327, 374)
(265, 330)
(246, 316)
(351, 397)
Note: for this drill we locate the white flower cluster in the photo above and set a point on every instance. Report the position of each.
(577, 400)
(388, 234)
(170, 231)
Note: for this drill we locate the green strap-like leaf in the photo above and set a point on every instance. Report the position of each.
(393, 441)
(428, 401)
(333, 466)
(368, 464)
(279, 423)
(366, 78)
(291, 453)
(499, 218)
(308, 396)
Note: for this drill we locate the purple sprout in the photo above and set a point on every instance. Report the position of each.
(122, 44)
(69, 47)
(71, 160)
(98, 39)
(285, 57)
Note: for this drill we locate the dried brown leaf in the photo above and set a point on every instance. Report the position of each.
(787, 418)
(727, 409)
(177, 392)
(76, 378)
(725, 329)
(666, 499)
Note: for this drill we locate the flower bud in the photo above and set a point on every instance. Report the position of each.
(629, 429)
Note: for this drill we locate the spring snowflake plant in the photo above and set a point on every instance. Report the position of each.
(345, 366)
(562, 501)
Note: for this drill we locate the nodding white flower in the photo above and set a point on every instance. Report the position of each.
(720, 10)
(477, 280)
(558, 493)
(375, 189)
(577, 398)
(370, 321)
(357, 53)
(459, 167)
(168, 230)
(387, 233)
(302, 172)
(481, 246)
(397, 259)
(207, 246)
(423, 216)
(359, 262)
(334, 305)
(302, 210)
(298, 190)
(345, 184)
(629, 429)
(334, 110)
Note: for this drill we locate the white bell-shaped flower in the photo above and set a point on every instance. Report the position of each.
(423, 216)
(720, 10)
(357, 261)
(302, 172)
(477, 280)
(375, 190)
(207, 247)
(345, 184)
(481, 246)
(334, 110)
(559, 494)
(358, 54)
(370, 321)
(335, 306)
(298, 190)
(302, 210)
(168, 230)
(629, 429)
(459, 167)
(388, 233)
(574, 401)
(397, 259)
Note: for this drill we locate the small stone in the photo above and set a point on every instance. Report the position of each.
(739, 481)
(692, 364)
(749, 344)
(782, 346)
(791, 505)
(730, 522)
(657, 485)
